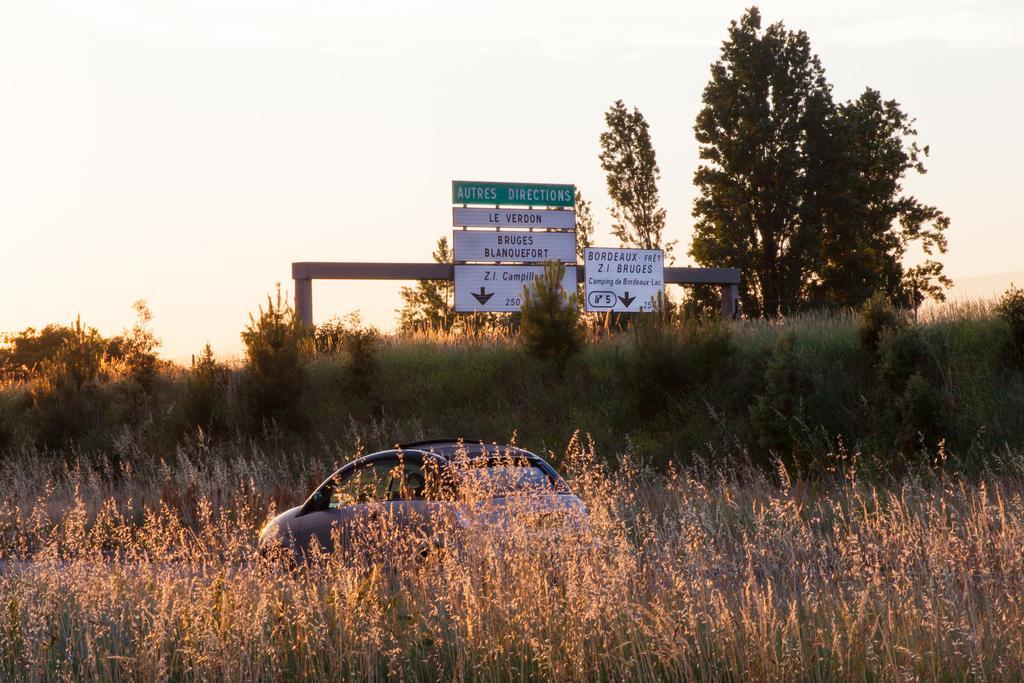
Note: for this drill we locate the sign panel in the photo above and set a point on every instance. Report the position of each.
(623, 280)
(514, 246)
(463, 216)
(499, 288)
(515, 194)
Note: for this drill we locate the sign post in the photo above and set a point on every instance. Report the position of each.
(490, 269)
(623, 280)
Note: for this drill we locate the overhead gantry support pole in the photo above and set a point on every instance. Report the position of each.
(304, 272)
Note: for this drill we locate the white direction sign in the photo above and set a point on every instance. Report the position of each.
(499, 288)
(514, 246)
(512, 218)
(623, 280)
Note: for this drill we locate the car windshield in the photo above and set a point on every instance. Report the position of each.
(491, 479)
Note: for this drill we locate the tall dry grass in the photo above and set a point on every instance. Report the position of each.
(697, 574)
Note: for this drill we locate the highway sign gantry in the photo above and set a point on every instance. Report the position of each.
(499, 288)
(513, 194)
(514, 246)
(623, 280)
(464, 216)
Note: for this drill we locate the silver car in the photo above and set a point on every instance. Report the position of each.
(418, 496)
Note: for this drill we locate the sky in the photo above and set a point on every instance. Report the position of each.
(186, 153)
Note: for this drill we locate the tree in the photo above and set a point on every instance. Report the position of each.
(632, 172)
(276, 347)
(205, 404)
(766, 97)
(431, 303)
(584, 225)
(22, 353)
(550, 326)
(867, 235)
(802, 195)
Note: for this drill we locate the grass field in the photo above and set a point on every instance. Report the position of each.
(701, 573)
(768, 501)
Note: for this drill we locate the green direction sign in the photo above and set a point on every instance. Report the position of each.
(515, 194)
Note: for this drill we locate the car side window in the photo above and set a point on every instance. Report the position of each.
(383, 480)
(366, 484)
(407, 482)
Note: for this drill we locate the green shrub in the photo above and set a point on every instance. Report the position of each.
(911, 394)
(14, 407)
(1011, 309)
(670, 357)
(359, 343)
(923, 415)
(550, 327)
(361, 346)
(877, 318)
(276, 349)
(778, 413)
(22, 353)
(137, 349)
(902, 352)
(65, 392)
(206, 393)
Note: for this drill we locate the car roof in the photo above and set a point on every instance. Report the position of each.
(449, 448)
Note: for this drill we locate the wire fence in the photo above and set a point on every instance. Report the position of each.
(983, 287)
(973, 293)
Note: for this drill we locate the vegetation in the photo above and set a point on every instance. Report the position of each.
(877, 318)
(674, 389)
(803, 194)
(703, 573)
(208, 385)
(551, 327)
(1011, 309)
(631, 169)
(276, 343)
(430, 305)
(584, 225)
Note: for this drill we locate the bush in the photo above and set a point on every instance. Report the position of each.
(13, 408)
(359, 343)
(922, 411)
(910, 392)
(65, 387)
(276, 348)
(24, 352)
(551, 327)
(778, 412)
(1011, 309)
(205, 395)
(901, 353)
(670, 356)
(137, 349)
(877, 318)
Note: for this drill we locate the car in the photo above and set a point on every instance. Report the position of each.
(422, 496)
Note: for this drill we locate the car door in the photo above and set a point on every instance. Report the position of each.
(389, 504)
(415, 509)
(349, 505)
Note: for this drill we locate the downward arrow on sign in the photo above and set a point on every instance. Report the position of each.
(627, 300)
(483, 297)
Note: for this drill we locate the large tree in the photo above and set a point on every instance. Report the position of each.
(801, 194)
(872, 223)
(632, 173)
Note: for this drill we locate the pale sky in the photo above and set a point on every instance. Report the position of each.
(187, 152)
